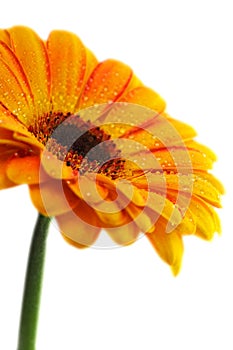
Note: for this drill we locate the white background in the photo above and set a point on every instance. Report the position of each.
(127, 298)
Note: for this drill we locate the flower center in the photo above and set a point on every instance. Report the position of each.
(81, 145)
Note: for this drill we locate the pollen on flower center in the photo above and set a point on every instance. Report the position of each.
(78, 143)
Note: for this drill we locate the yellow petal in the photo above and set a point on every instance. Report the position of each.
(197, 184)
(156, 130)
(179, 158)
(187, 225)
(207, 220)
(134, 83)
(206, 151)
(205, 189)
(185, 131)
(212, 180)
(168, 246)
(146, 97)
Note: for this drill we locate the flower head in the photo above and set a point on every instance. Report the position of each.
(97, 148)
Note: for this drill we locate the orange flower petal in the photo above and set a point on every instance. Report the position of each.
(32, 55)
(106, 84)
(146, 97)
(192, 184)
(67, 56)
(91, 63)
(155, 130)
(168, 246)
(143, 220)
(164, 189)
(114, 219)
(153, 206)
(11, 65)
(30, 140)
(17, 134)
(4, 36)
(182, 158)
(5, 182)
(25, 170)
(195, 185)
(12, 95)
(5, 135)
(53, 198)
(134, 83)
(87, 186)
(81, 226)
(125, 234)
(56, 168)
(7, 121)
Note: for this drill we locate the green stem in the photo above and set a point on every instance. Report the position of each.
(33, 286)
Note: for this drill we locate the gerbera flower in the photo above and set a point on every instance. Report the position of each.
(97, 148)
